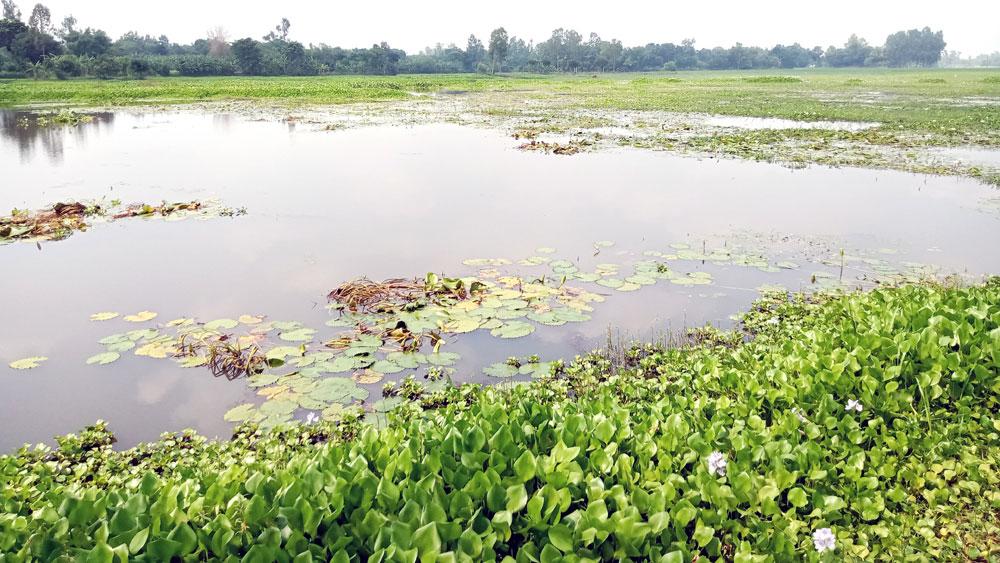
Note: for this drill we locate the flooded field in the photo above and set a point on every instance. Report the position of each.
(630, 242)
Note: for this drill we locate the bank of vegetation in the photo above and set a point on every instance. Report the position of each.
(854, 427)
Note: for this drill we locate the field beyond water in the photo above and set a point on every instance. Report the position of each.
(876, 118)
(856, 427)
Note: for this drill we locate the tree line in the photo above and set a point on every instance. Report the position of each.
(40, 49)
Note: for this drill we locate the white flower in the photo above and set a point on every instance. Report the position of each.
(823, 540)
(798, 413)
(312, 418)
(717, 463)
(853, 405)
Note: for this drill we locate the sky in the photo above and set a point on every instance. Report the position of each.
(970, 26)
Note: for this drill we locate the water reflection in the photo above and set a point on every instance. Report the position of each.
(23, 130)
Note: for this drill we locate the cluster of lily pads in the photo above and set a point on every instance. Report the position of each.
(398, 327)
(63, 219)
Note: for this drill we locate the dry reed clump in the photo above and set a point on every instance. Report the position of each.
(223, 357)
(53, 223)
(367, 296)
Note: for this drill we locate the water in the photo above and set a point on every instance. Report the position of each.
(329, 206)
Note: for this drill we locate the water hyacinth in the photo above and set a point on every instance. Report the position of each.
(717, 464)
(312, 418)
(853, 405)
(824, 540)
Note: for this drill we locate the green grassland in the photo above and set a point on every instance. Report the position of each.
(604, 460)
(939, 101)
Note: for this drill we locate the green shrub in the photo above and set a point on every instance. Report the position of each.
(871, 415)
(773, 79)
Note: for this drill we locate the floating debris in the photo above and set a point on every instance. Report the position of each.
(63, 219)
(573, 147)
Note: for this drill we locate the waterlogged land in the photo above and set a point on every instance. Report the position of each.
(861, 427)
(857, 117)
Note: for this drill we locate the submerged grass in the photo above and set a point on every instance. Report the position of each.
(867, 421)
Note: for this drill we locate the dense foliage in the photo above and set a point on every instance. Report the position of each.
(866, 424)
(39, 49)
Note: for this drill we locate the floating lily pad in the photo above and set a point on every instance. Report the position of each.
(640, 280)
(442, 359)
(787, 265)
(105, 316)
(298, 335)
(250, 319)
(368, 376)
(612, 283)
(628, 286)
(386, 367)
(28, 363)
(123, 346)
(103, 358)
(603, 244)
(536, 370)
(545, 250)
(513, 329)
(241, 413)
(500, 370)
(221, 324)
(140, 317)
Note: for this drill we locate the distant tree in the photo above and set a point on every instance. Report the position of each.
(41, 19)
(9, 30)
(67, 26)
(914, 47)
(854, 53)
(218, 42)
(34, 46)
(10, 10)
(248, 56)
(474, 53)
(499, 43)
(89, 43)
(793, 56)
(280, 31)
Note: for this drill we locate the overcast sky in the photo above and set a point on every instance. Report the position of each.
(970, 26)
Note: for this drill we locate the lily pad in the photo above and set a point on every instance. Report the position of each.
(241, 413)
(442, 359)
(105, 316)
(500, 370)
(221, 324)
(103, 358)
(386, 367)
(140, 317)
(513, 329)
(545, 250)
(368, 376)
(250, 319)
(298, 335)
(28, 363)
(603, 244)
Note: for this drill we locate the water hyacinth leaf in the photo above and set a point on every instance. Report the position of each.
(140, 317)
(103, 358)
(298, 335)
(103, 316)
(28, 363)
(513, 329)
(241, 413)
(501, 370)
(221, 324)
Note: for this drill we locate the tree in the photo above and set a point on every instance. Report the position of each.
(854, 53)
(9, 30)
(914, 47)
(280, 31)
(499, 43)
(89, 43)
(34, 46)
(10, 10)
(218, 44)
(41, 19)
(67, 26)
(474, 53)
(248, 57)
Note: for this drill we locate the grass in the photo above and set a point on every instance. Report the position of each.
(602, 461)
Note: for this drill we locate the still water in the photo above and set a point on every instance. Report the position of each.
(324, 207)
